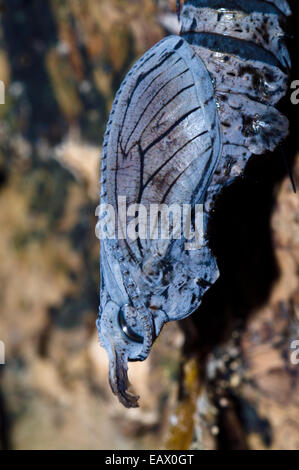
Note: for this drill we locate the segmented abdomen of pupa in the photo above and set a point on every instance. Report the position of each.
(241, 43)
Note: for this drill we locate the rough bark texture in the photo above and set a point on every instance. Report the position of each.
(229, 383)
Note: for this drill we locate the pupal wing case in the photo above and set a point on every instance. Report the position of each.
(162, 146)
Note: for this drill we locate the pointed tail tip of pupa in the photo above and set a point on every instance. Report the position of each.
(119, 383)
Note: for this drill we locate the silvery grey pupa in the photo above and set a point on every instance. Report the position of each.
(184, 123)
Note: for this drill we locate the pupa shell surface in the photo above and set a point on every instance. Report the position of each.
(186, 120)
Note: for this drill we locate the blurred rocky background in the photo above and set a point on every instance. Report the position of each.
(221, 379)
